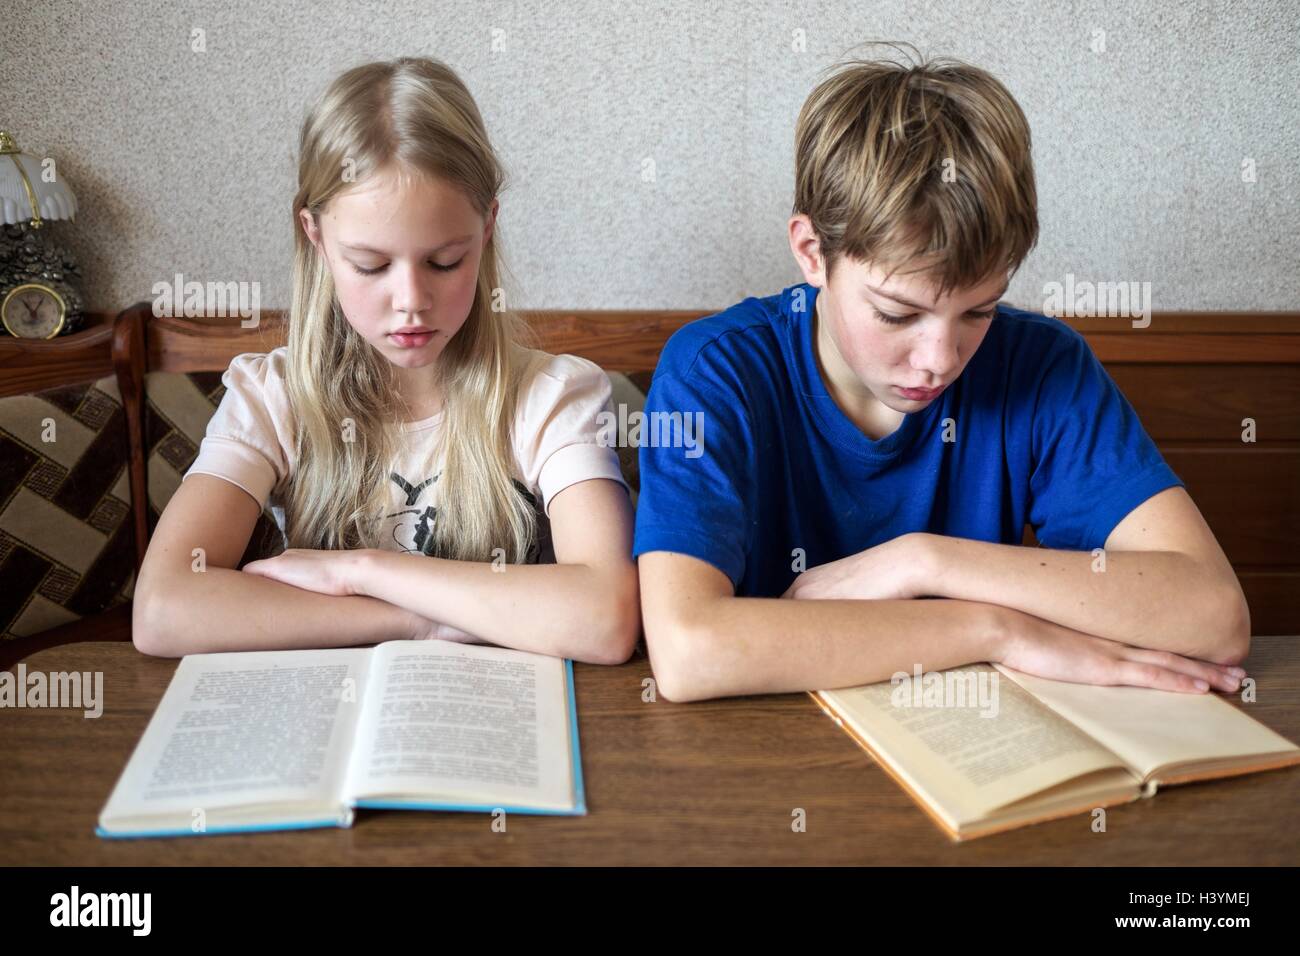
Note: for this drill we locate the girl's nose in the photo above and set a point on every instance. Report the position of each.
(411, 292)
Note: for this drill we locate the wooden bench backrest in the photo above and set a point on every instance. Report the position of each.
(1194, 378)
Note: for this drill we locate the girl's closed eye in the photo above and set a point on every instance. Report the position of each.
(435, 265)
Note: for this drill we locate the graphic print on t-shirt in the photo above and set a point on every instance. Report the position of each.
(415, 534)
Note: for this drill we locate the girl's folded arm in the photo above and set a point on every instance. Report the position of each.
(585, 606)
(188, 603)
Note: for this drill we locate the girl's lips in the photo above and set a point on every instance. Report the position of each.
(411, 340)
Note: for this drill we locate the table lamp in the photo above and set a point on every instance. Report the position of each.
(39, 298)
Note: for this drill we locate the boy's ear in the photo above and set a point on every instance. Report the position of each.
(807, 249)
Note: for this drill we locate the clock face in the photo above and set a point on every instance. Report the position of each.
(33, 311)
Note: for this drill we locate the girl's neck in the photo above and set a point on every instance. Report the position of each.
(419, 396)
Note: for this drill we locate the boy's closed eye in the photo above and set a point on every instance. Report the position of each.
(889, 319)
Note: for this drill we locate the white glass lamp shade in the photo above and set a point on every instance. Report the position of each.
(25, 195)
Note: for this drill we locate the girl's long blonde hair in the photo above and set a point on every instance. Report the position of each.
(416, 116)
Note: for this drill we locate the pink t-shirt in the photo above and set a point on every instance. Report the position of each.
(250, 440)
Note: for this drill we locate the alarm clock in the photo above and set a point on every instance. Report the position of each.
(33, 310)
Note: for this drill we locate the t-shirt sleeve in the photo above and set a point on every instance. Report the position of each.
(1093, 460)
(249, 439)
(695, 498)
(559, 431)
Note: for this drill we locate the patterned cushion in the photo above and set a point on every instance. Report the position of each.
(67, 540)
(177, 409)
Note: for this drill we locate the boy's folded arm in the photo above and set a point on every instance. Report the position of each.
(705, 642)
(1161, 582)
(179, 609)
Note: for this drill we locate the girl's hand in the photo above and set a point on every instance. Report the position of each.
(1044, 649)
(325, 572)
(423, 629)
(891, 570)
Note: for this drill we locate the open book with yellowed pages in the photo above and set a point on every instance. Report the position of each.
(276, 740)
(985, 748)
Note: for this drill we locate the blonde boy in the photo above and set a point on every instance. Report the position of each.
(883, 432)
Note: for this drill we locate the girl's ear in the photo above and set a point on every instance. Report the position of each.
(491, 222)
(309, 226)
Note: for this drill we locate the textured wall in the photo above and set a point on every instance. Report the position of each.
(183, 161)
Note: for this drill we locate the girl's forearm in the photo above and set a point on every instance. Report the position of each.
(220, 609)
(564, 610)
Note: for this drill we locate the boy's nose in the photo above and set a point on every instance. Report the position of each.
(938, 357)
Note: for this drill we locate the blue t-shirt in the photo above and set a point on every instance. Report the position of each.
(1033, 431)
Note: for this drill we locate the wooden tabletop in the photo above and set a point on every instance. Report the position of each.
(702, 783)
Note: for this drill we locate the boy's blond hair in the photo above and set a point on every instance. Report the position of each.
(927, 164)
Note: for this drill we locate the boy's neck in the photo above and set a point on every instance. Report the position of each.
(872, 417)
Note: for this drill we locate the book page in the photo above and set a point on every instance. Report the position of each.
(966, 764)
(464, 723)
(250, 727)
(1153, 728)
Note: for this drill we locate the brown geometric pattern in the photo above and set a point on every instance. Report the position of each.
(177, 409)
(67, 544)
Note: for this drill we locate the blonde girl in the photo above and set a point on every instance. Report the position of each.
(433, 476)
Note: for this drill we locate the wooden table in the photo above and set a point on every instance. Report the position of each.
(701, 783)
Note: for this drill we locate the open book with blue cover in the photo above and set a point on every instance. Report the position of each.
(278, 740)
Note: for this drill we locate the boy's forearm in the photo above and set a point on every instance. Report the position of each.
(1156, 599)
(743, 645)
(220, 609)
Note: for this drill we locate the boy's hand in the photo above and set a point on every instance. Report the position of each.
(1034, 646)
(894, 570)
